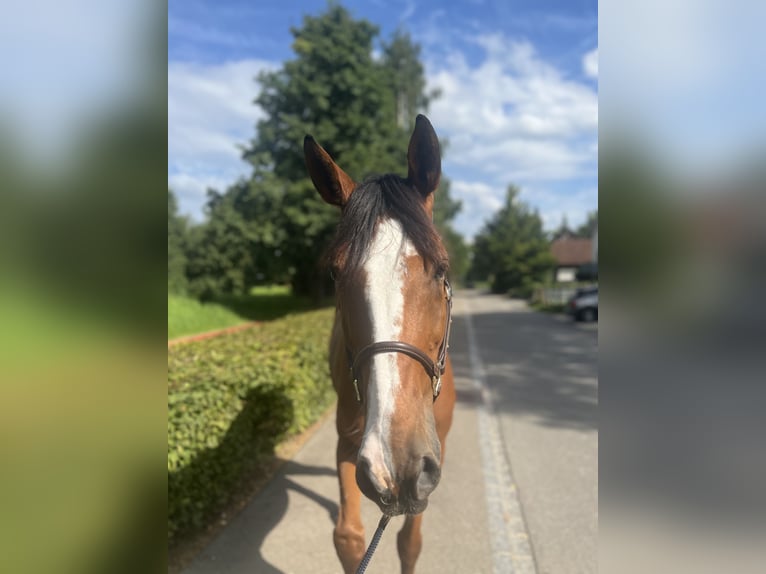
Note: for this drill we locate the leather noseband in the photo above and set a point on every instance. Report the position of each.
(435, 369)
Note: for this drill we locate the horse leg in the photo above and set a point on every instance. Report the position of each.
(409, 541)
(349, 530)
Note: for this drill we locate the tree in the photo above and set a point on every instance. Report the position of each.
(335, 91)
(590, 225)
(445, 210)
(274, 227)
(177, 244)
(354, 106)
(563, 229)
(401, 61)
(240, 244)
(512, 250)
(219, 252)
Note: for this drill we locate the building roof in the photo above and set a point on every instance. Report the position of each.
(569, 250)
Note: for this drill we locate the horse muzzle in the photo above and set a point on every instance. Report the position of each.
(408, 494)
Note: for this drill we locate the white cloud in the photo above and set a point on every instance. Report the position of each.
(211, 112)
(191, 190)
(484, 194)
(514, 118)
(409, 10)
(514, 113)
(511, 118)
(590, 64)
(479, 199)
(202, 34)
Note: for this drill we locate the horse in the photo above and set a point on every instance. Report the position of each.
(388, 347)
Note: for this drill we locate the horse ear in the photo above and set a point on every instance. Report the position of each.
(332, 183)
(424, 157)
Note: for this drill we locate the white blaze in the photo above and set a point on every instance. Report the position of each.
(385, 268)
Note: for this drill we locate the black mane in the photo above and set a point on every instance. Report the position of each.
(378, 197)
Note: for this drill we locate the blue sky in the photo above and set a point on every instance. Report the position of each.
(519, 83)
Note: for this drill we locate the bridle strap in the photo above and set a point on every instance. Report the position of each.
(395, 347)
(435, 370)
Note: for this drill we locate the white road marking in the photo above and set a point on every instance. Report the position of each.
(508, 535)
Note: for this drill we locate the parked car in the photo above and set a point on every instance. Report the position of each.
(583, 305)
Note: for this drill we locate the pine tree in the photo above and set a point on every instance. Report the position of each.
(512, 250)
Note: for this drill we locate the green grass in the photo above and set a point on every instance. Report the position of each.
(271, 290)
(265, 303)
(187, 316)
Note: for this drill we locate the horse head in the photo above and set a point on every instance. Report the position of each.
(390, 268)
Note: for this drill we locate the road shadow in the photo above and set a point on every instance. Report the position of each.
(536, 365)
(237, 545)
(199, 490)
(220, 479)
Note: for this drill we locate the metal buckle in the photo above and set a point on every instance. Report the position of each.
(356, 389)
(436, 385)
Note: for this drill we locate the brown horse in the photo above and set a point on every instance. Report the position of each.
(388, 348)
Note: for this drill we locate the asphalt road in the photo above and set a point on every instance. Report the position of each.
(519, 487)
(542, 372)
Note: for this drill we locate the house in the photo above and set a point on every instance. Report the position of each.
(570, 253)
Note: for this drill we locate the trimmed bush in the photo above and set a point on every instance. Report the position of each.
(231, 399)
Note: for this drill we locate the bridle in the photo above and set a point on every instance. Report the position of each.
(435, 369)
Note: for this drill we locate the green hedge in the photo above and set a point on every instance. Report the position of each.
(231, 399)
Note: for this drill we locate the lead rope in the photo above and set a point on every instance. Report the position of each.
(373, 544)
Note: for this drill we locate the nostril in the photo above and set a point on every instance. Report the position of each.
(362, 466)
(363, 476)
(430, 466)
(387, 497)
(428, 478)
(367, 483)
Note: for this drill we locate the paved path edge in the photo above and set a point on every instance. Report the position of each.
(509, 537)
